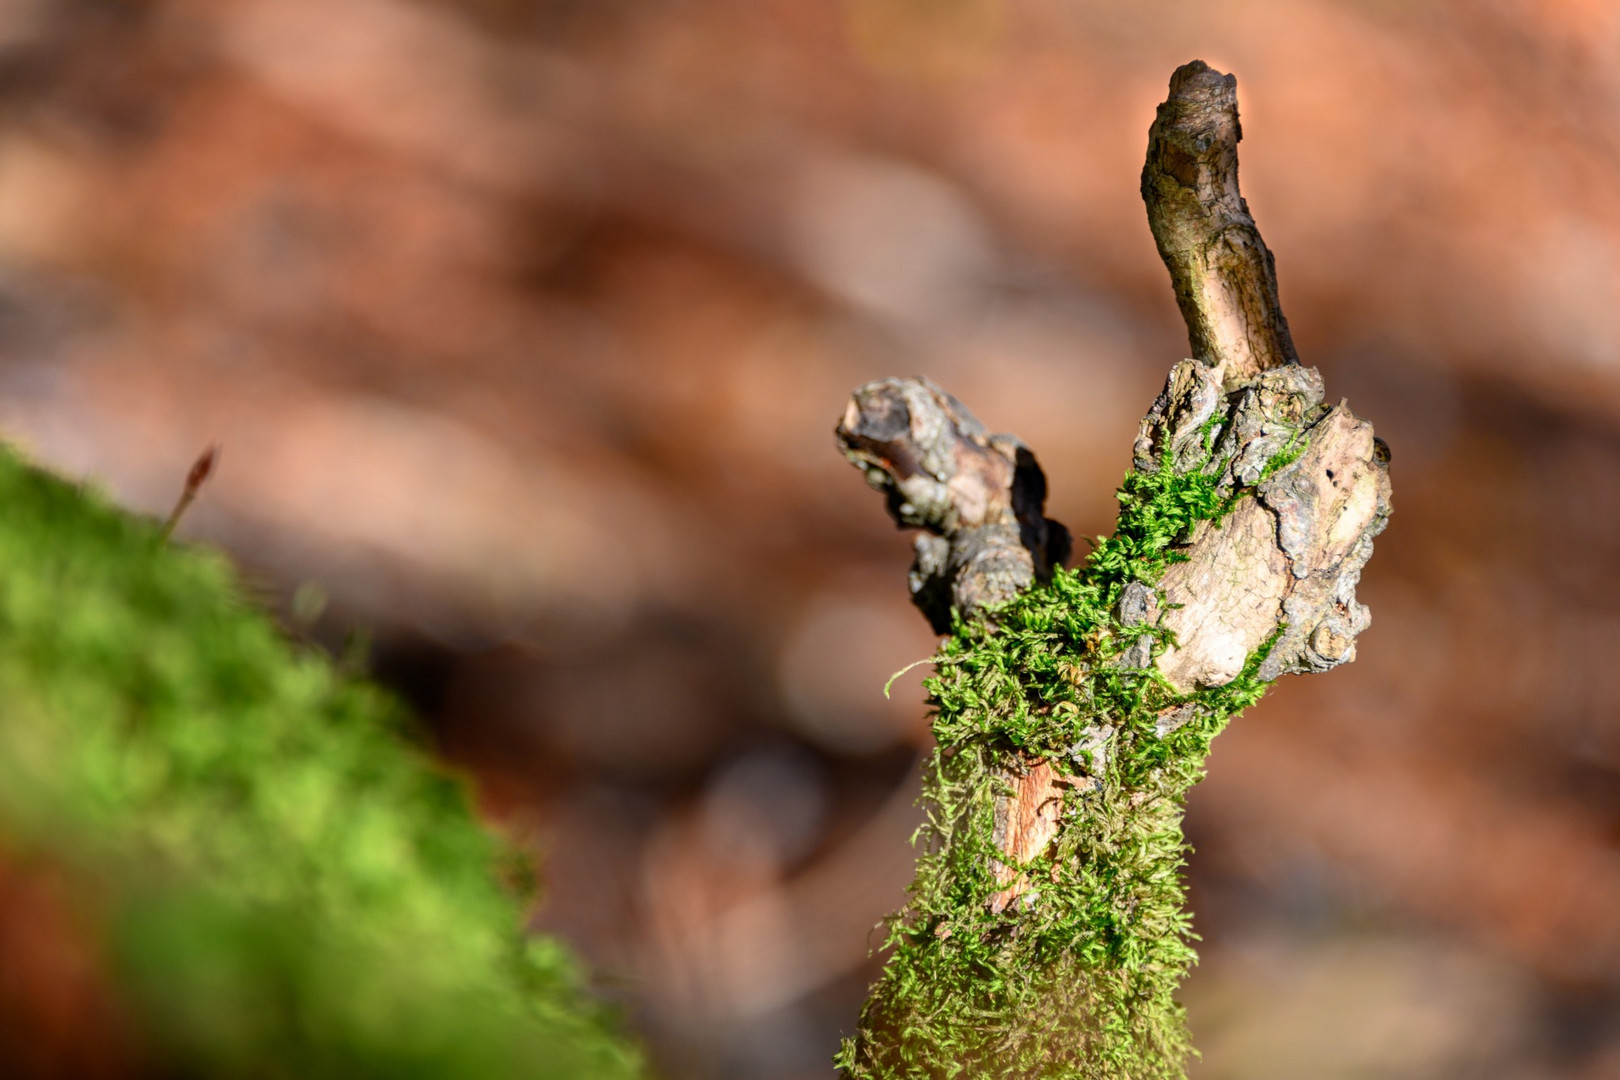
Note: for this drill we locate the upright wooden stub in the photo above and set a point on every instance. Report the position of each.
(1223, 273)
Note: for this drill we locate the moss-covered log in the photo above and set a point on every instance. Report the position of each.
(278, 883)
(1046, 933)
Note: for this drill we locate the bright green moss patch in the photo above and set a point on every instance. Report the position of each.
(1076, 977)
(288, 887)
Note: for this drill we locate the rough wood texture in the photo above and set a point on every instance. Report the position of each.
(1223, 273)
(1287, 559)
(1026, 823)
(977, 497)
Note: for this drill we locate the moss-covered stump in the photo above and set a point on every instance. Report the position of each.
(281, 884)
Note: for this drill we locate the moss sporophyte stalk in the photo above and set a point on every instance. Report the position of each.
(1073, 971)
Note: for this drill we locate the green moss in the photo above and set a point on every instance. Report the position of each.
(1076, 978)
(287, 887)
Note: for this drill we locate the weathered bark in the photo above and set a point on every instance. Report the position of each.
(1223, 273)
(1287, 559)
(1260, 582)
(977, 497)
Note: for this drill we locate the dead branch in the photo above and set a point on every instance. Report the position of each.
(1224, 277)
(1262, 587)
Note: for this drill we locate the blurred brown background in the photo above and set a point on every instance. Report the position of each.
(524, 324)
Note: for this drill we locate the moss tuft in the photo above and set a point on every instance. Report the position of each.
(287, 888)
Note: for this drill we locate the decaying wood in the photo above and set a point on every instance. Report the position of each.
(1287, 560)
(977, 497)
(1026, 823)
(1309, 481)
(1223, 273)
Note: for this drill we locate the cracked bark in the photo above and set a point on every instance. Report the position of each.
(1309, 479)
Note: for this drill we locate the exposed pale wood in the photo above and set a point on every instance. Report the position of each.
(1026, 822)
(1287, 559)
